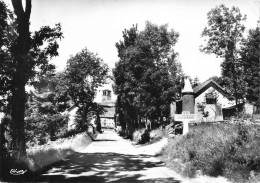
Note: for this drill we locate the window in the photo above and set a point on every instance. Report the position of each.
(106, 95)
(211, 98)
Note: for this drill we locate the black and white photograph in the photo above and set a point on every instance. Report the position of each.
(130, 91)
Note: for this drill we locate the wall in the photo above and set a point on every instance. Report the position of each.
(107, 123)
(215, 112)
(108, 86)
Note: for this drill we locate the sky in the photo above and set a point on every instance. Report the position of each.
(98, 25)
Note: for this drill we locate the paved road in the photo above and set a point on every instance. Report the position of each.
(110, 159)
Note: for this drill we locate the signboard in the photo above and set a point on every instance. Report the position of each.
(185, 116)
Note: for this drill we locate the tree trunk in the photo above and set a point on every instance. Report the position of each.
(17, 113)
(22, 61)
(98, 122)
(83, 121)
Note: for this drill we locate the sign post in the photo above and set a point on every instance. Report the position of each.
(185, 117)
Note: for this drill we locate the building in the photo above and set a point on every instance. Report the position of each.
(106, 98)
(214, 98)
(209, 101)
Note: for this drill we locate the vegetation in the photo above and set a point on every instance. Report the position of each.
(144, 136)
(84, 73)
(229, 150)
(224, 36)
(147, 76)
(250, 55)
(25, 56)
(36, 118)
(41, 156)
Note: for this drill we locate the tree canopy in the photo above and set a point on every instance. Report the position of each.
(223, 36)
(84, 73)
(250, 56)
(147, 72)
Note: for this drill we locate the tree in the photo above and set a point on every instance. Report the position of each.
(145, 75)
(85, 72)
(250, 54)
(44, 107)
(25, 56)
(223, 37)
(5, 16)
(98, 110)
(195, 82)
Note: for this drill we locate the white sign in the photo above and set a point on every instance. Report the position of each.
(185, 117)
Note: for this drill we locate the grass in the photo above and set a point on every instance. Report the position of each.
(44, 155)
(229, 150)
(40, 157)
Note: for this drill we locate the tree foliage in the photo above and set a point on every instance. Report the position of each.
(223, 36)
(85, 72)
(146, 74)
(24, 56)
(250, 54)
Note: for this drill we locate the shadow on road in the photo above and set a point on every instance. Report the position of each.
(103, 140)
(103, 167)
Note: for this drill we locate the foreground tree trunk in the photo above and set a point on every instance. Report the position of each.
(22, 61)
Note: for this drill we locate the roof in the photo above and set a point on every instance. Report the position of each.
(207, 84)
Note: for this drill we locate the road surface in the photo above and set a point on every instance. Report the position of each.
(110, 159)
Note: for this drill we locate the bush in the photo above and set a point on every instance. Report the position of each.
(157, 134)
(137, 135)
(226, 150)
(68, 133)
(145, 137)
(40, 129)
(141, 136)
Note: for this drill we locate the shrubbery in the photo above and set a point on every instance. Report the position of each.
(143, 135)
(38, 131)
(229, 150)
(41, 129)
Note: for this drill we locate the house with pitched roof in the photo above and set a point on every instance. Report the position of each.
(210, 101)
(214, 100)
